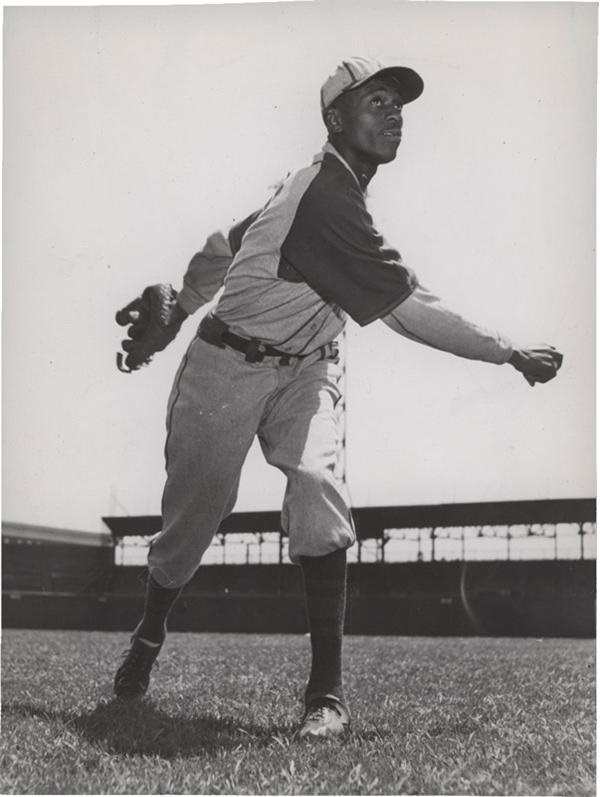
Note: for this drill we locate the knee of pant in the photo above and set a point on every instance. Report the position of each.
(312, 478)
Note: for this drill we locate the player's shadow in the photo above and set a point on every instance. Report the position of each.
(137, 727)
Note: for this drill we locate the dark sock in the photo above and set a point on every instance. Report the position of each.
(325, 593)
(158, 604)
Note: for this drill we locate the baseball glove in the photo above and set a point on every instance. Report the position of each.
(155, 319)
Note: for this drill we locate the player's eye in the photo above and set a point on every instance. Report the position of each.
(379, 100)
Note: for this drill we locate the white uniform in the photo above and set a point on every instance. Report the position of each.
(264, 365)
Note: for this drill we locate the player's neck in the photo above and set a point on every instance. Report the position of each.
(362, 169)
(364, 173)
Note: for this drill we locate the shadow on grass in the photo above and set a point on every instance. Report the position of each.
(136, 727)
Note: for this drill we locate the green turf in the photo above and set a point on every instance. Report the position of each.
(430, 716)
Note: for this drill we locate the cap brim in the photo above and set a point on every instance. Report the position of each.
(410, 83)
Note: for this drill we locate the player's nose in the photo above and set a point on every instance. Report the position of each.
(394, 118)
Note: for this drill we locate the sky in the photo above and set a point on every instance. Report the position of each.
(131, 133)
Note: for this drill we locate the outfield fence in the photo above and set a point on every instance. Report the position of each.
(510, 530)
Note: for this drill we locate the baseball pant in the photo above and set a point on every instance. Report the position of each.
(218, 403)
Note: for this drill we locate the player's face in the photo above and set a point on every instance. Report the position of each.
(370, 118)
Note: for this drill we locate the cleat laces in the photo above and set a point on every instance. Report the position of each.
(319, 713)
(325, 718)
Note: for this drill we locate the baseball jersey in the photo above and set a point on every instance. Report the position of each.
(294, 270)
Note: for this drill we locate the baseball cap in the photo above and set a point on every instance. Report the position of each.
(357, 70)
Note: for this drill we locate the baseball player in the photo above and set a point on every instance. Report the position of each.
(265, 363)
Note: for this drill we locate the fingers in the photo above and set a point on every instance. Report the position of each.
(539, 363)
(540, 375)
(137, 331)
(539, 368)
(542, 357)
(546, 351)
(133, 313)
(129, 313)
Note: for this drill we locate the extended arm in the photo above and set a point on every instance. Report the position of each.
(423, 317)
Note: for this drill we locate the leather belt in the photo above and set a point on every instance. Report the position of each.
(214, 331)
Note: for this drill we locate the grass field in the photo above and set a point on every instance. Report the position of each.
(430, 716)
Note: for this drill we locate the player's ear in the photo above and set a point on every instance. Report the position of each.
(333, 120)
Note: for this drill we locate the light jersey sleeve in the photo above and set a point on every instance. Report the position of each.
(333, 246)
(424, 318)
(207, 268)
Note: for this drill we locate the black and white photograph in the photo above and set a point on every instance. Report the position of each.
(299, 478)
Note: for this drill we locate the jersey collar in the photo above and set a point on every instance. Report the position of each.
(331, 150)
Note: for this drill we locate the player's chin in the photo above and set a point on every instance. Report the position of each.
(388, 151)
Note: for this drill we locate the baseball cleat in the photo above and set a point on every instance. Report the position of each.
(133, 676)
(325, 718)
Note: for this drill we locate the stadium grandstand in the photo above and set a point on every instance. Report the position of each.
(517, 568)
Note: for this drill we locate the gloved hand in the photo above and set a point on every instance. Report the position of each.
(155, 319)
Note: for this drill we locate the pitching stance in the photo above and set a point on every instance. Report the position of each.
(265, 364)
